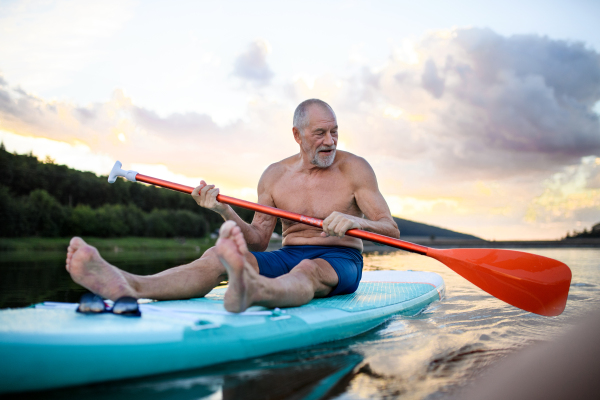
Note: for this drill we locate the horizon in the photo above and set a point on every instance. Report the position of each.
(475, 118)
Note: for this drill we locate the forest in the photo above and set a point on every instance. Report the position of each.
(41, 198)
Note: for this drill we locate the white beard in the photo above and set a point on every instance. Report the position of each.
(323, 161)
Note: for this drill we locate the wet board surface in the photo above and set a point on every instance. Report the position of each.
(50, 345)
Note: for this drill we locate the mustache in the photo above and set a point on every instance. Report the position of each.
(325, 148)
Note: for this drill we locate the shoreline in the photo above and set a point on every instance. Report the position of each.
(443, 243)
(108, 244)
(201, 244)
(370, 247)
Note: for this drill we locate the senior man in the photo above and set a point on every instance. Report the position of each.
(319, 181)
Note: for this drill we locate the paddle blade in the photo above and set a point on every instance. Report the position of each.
(533, 283)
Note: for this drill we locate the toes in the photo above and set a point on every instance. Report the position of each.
(226, 228)
(83, 254)
(240, 242)
(235, 233)
(76, 242)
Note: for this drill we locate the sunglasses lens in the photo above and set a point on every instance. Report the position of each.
(126, 306)
(91, 304)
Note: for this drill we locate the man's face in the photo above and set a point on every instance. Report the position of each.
(319, 139)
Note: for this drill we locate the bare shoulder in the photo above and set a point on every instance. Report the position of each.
(355, 166)
(274, 172)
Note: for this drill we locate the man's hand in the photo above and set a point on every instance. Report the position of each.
(206, 196)
(337, 224)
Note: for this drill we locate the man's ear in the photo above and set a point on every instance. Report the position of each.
(297, 135)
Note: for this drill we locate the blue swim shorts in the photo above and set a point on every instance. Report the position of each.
(347, 263)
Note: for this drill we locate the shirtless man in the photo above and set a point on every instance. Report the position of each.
(319, 181)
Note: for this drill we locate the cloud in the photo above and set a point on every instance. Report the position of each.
(481, 105)
(189, 143)
(175, 124)
(569, 68)
(473, 105)
(252, 65)
(476, 107)
(431, 81)
(475, 131)
(573, 193)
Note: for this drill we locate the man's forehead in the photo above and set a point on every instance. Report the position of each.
(318, 114)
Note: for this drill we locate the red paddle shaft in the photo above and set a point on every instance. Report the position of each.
(374, 237)
(528, 281)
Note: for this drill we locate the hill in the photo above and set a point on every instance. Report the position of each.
(412, 228)
(593, 233)
(49, 200)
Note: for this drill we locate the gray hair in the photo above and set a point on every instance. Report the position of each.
(301, 113)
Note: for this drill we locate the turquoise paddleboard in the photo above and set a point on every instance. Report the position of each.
(51, 346)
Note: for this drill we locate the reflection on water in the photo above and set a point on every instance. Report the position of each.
(32, 277)
(309, 374)
(427, 356)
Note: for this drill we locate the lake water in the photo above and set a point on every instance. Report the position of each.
(429, 356)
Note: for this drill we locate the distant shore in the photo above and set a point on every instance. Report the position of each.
(371, 247)
(199, 245)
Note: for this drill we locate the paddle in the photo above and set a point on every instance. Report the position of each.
(533, 283)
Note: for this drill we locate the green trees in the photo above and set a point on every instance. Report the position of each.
(45, 199)
(40, 214)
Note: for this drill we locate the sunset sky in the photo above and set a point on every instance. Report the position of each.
(478, 118)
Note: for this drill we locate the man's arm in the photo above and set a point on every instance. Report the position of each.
(258, 233)
(370, 201)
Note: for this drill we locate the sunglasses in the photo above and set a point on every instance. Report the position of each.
(93, 304)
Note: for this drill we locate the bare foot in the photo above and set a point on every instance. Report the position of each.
(91, 271)
(244, 282)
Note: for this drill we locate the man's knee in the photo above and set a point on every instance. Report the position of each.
(322, 276)
(310, 269)
(210, 261)
(209, 253)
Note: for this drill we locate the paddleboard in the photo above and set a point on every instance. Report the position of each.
(49, 345)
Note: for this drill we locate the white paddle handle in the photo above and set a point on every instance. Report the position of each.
(118, 171)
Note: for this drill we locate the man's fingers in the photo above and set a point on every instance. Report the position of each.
(332, 228)
(345, 227)
(340, 226)
(212, 194)
(206, 188)
(206, 195)
(338, 230)
(337, 224)
(197, 189)
(326, 222)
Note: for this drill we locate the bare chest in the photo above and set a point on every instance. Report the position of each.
(315, 195)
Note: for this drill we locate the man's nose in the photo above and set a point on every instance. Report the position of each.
(328, 140)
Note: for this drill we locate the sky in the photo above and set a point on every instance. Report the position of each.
(481, 117)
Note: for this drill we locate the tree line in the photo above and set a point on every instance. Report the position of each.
(45, 199)
(593, 233)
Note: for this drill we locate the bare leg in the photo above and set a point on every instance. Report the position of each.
(246, 287)
(90, 270)
(196, 279)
